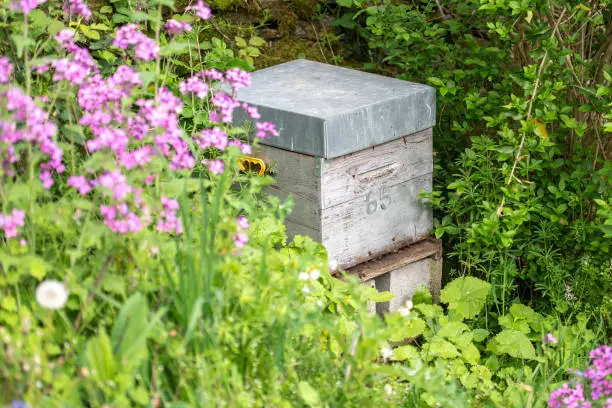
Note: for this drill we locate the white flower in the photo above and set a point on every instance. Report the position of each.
(303, 276)
(51, 294)
(388, 389)
(404, 311)
(409, 305)
(306, 290)
(386, 352)
(333, 265)
(315, 274)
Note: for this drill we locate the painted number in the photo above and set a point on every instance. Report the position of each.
(373, 202)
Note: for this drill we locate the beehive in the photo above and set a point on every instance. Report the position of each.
(354, 151)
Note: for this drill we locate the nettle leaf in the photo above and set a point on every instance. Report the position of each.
(452, 329)
(466, 296)
(513, 343)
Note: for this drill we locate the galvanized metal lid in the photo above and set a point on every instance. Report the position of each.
(328, 111)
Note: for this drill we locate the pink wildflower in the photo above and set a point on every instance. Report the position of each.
(238, 78)
(80, 183)
(216, 166)
(175, 27)
(26, 6)
(240, 239)
(201, 9)
(77, 7)
(6, 69)
(243, 222)
(10, 222)
(195, 85)
(549, 338)
(265, 130)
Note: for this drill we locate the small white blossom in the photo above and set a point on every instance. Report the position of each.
(51, 294)
(386, 352)
(315, 274)
(388, 389)
(303, 276)
(333, 265)
(306, 290)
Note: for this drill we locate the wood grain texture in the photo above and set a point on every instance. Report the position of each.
(359, 205)
(358, 230)
(391, 261)
(352, 176)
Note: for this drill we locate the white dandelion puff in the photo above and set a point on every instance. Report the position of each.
(51, 294)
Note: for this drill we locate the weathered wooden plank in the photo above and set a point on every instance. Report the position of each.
(387, 218)
(354, 175)
(391, 261)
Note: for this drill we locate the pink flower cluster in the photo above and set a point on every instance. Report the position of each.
(238, 78)
(600, 376)
(10, 222)
(169, 222)
(77, 7)
(6, 69)
(176, 27)
(201, 9)
(601, 373)
(25, 6)
(265, 130)
(568, 397)
(549, 338)
(29, 123)
(144, 48)
(241, 237)
(194, 84)
(75, 67)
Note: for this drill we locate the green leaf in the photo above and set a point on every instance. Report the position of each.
(130, 331)
(422, 295)
(345, 3)
(38, 268)
(106, 10)
(99, 355)
(309, 395)
(256, 41)
(240, 42)
(407, 352)
(514, 343)
(174, 48)
(466, 296)
(22, 43)
(89, 33)
(438, 347)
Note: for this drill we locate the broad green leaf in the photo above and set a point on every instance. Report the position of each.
(514, 343)
(89, 33)
(100, 358)
(466, 296)
(412, 328)
(106, 10)
(407, 352)
(438, 347)
(130, 331)
(422, 295)
(452, 330)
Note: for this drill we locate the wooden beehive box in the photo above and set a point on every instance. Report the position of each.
(354, 151)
